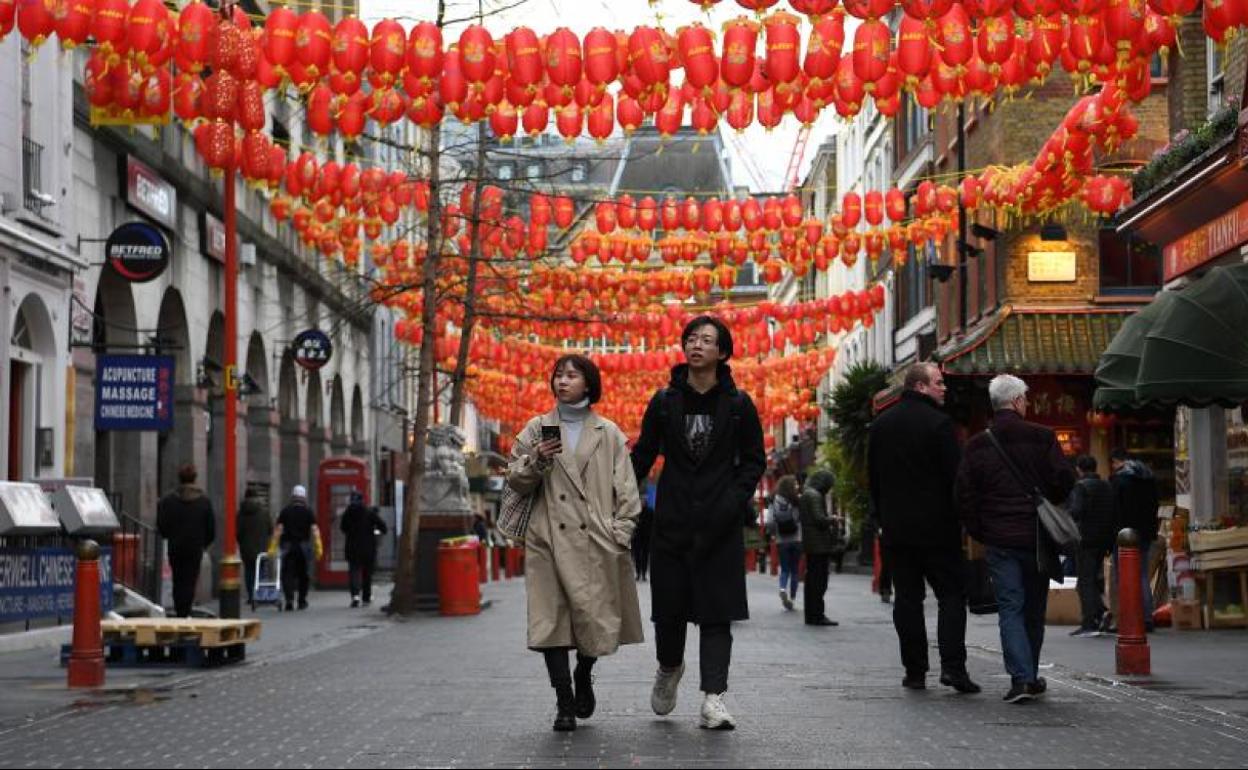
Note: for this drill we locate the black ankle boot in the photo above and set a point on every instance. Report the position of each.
(585, 701)
(565, 703)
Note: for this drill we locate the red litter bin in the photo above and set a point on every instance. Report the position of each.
(459, 592)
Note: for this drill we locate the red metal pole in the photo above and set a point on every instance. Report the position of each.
(1133, 655)
(231, 567)
(483, 575)
(495, 557)
(773, 557)
(86, 658)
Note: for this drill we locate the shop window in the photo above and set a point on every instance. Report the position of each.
(578, 172)
(1129, 264)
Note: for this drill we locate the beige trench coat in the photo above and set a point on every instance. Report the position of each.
(578, 567)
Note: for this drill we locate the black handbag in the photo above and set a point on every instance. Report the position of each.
(1055, 521)
(981, 592)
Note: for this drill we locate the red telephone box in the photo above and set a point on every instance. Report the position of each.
(336, 479)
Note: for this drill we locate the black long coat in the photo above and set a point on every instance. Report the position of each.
(359, 523)
(697, 567)
(912, 463)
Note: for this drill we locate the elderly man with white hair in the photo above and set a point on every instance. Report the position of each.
(999, 510)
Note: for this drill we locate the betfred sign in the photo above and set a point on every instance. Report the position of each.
(137, 252)
(1207, 242)
(150, 194)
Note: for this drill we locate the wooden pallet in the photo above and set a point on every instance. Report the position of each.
(152, 632)
(125, 653)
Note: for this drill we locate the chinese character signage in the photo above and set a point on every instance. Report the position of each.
(1206, 243)
(312, 349)
(134, 393)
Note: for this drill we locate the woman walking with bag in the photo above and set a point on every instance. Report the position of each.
(783, 523)
(582, 504)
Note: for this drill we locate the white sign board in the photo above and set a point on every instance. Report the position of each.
(24, 510)
(84, 510)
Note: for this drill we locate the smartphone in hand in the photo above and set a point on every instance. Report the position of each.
(551, 433)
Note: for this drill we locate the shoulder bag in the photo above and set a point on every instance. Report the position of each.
(1055, 521)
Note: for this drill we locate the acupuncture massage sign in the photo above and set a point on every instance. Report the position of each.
(134, 393)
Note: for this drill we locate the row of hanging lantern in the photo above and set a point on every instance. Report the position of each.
(941, 50)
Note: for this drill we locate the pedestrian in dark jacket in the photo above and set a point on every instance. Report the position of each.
(912, 459)
(184, 518)
(783, 524)
(819, 542)
(1092, 507)
(712, 442)
(1136, 500)
(361, 524)
(254, 529)
(1000, 512)
(296, 525)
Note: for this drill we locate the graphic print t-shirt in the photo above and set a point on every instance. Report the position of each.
(700, 420)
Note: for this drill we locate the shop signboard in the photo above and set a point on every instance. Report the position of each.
(312, 349)
(39, 583)
(137, 251)
(1207, 242)
(134, 393)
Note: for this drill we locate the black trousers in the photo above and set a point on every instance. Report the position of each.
(557, 664)
(185, 568)
(360, 575)
(1090, 566)
(296, 559)
(942, 569)
(714, 647)
(816, 584)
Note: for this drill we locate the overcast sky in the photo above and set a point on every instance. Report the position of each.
(770, 151)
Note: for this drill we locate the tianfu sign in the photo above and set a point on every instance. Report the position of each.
(137, 252)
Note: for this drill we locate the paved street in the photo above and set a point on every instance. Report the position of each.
(443, 692)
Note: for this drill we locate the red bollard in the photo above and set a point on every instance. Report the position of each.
(774, 558)
(509, 562)
(1133, 654)
(86, 659)
(483, 576)
(494, 563)
(876, 566)
(751, 560)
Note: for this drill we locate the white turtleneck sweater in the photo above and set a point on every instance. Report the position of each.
(572, 420)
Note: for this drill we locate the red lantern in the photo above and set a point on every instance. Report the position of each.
(352, 116)
(895, 205)
(783, 47)
(313, 46)
(388, 50)
(925, 199)
(873, 208)
(971, 193)
(147, 26)
(36, 20)
(984, 9)
(871, 52)
(476, 54)
(914, 48)
(737, 60)
(851, 210)
(186, 94)
(868, 9)
(320, 107)
(524, 58)
(924, 10)
(424, 52)
(649, 55)
(250, 111)
(504, 121)
(601, 64)
(72, 22)
(669, 119)
(741, 110)
(697, 51)
(280, 27)
(849, 88)
(823, 52)
(647, 214)
(535, 119)
(956, 43)
(218, 146)
(569, 120)
(995, 42)
(453, 85)
(350, 45)
(690, 214)
(565, 212)
(563, 59)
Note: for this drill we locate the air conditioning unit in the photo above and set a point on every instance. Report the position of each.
(247, 254)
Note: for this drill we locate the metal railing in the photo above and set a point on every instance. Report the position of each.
(32, 175)
(138, 557)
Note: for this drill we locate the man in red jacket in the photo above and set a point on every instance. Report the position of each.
(999, 511)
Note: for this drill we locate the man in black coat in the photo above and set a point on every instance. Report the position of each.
(361, 524)
(712, 442)
(818, 543)
(1136, 500)
(1000, 511)
(296, 525)
(184, 518)
(912, 460)
(1092, 507)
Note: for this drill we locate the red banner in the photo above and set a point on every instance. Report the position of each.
(1207, 242)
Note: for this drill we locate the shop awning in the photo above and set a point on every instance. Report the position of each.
(1119, 367)
(1033, 341)
(1196, 352)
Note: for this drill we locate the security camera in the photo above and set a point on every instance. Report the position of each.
(43, 198)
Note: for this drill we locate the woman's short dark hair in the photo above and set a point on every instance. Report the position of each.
(721, 329)
(1086, 463)
(588, 370)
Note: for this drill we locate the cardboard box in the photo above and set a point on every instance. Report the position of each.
(1186, 615)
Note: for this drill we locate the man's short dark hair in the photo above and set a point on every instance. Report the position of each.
(1119, 455)
(721, 329)
(1086, 463)
(187, 474)
(918, 374)
(588, 370)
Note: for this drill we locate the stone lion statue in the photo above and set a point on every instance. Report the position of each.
(446, 477)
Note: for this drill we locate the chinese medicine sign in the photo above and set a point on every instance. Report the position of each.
(134, 393)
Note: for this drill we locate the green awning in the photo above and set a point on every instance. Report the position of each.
(1120, 365)
(1196, 352)
(1033, 341)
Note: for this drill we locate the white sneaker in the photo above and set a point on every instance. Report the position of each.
(663, 696)
(715, 715)
(785, 600)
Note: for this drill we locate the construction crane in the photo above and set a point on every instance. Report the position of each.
(791, 179)
(747, 160)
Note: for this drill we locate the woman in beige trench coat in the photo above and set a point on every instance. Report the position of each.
(578, 567)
